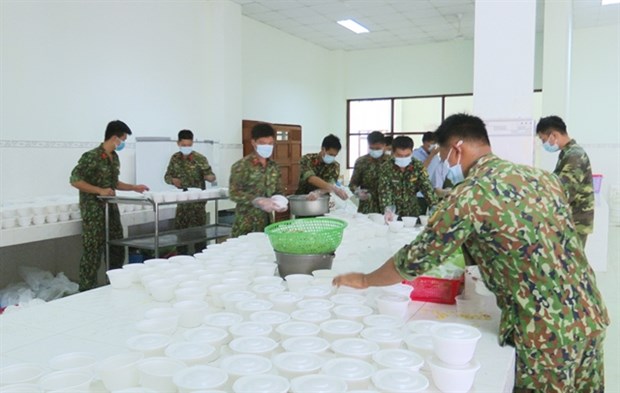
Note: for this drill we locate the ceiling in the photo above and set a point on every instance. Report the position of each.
(394, 22)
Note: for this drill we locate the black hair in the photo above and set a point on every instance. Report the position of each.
(462, 126)
(331, 141)
(402, 142)
(388, 139)
(186, 134)
(263, 130)
(375, 137)
(551, 123)
(429, 137)
(116, 128)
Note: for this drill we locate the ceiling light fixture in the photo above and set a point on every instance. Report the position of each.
(609, 2)
(354, 26)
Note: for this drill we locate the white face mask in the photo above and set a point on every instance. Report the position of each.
(402, 162)
(329, 159)
(186, 150)
(376, 153)
(264, 150)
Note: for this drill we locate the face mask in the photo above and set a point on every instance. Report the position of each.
(329, 159)
(376, 153)
(120, 146)
(186, 150)
(455, 173)
(550, 148)
(402, 161)
(264, 150)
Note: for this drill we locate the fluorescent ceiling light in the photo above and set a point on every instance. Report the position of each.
(608, 2)
(354, 26)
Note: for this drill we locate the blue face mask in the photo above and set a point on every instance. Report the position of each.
(121, 146)
(550, 148)
(455, 172)
(402, 162)
(264, 150)
(376, 153)
(329, 159)
(186, 150)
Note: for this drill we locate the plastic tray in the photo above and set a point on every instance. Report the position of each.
(435, 290)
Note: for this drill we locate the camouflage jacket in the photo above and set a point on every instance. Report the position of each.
(191, 170)
(515, 223)
(313, 165)
(97, 168)
(575, 173)
(366, 176)
(249, 180)
(398, 187)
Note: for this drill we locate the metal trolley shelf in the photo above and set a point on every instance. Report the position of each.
(162, 239)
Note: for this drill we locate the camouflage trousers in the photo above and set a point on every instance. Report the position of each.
(190, 215)
(576, 368)
(249, 219)
(93, 241)
(370, 205)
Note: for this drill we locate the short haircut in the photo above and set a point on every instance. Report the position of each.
(375, 137)
(388, 139)
(186, 134)
(462, 126)
(331, 141)
(263, 130)
(551, 123)
(429, 137)
(402, 142)
(116, 128)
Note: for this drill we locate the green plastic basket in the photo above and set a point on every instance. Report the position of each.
(306, 235)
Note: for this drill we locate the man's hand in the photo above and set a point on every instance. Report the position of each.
(342, 194)
(140, 188)
(106, 192)
(353, 280)
(176, 182)
(362, 194)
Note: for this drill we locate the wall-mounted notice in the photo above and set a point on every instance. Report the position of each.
(153, 155)
(512, 139)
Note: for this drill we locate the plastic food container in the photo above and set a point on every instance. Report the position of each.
(392, 304)
(261, 384)
(398, 358)
(263, 346)
(156, 373)
(422, 326)
(66, 380)
(383, 321)
(355, 372)
(308, 344)
(399, 381)
(120, 371)
(386, 337)
(296, 364)
(318, 383)
(196, 378)
(149, 344)
(340, 328)
(316, 304)
(314, 316)
(355, 312)
(355, 347)
(297, 329)
(455, 343)
(222, 319)
(250, 329)
(241, 365)
(453, 379)
(208, 335)
(270, 317)
(191, 353)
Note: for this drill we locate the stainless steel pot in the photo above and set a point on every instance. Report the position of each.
(301, 207)
(302, 263)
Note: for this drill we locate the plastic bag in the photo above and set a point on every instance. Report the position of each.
(38, 284)
(452, 268)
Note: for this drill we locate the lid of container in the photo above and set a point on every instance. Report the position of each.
(422, 326)
(270, 317)
(392, 297)
(206, 334)
(261, 384)
(383, 320)
(250, 329)
(200, 377)
(246, 364)
(420, 341)
(254, 305)
(473, 365)
(395, 380)
(285, 297)
(316, 291)
(188, 350)
(308, 344)
(381, 334)
(318, 383)
(352, 310)
(253, 344)
(355, 346)
(455, 331)
(268, 288)
(348, 369)
(342, 326)
(297, 328)
(237, 296)
(148, 341)
(398, 358)
(298, 361)
(222, 319)
(315, 304)
(311, 315)
(348, 298)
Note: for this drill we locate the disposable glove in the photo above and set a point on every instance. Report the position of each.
(390, 214)
(266, 204)
(362, 195)
(341, 193)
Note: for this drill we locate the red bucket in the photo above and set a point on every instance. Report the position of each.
(597, 181)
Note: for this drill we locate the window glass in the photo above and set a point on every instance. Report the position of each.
(459, 104)
(417, 114)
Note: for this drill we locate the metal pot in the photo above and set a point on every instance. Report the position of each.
(302, 264)
(301, 207)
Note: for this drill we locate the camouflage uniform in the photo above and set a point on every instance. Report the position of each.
(313, 165)
(516, 225)
(575, 173)
(399, 187)
(366, 176)
(249, 180)
(191, 170)
(99, 169)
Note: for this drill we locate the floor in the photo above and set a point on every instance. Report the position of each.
(608, 283)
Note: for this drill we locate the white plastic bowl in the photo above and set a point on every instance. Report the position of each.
(453, 379)
(313, 316)
(222, 319)
(387, 338)
(261, 384)
(295, 364)
(21, 373)
(51, 218)
(285, 301)
(120, 278)
(324, 273)
(391, 304)
(423, 220)
(191, 312)
(195, 294)
(398, 358)
(24, 221)
(399, 381)
(307, 344)
(336, 329)
(295, 282)
(455, 343)
(165, 325)
(38, 220)
(421, 326)
(355, 372)
(67, 380)
(162, 289)
(161, 312)
(265, 290)
(297, 329)
(80, 361)
(22, 388)
(268, 280)
(318, 383)
(270, 317)
(315, 304)
(241, 365)
(266, 269)
(422, 344)
(197, 378)
(247, 307)
(409, 222)
(250, 329)
(254, 345)
(355, 312)
(355, 347)
(8, 223)
(120, 371)
(156, 373)
(347, 298)
(383, 320)
(192, 353)
(317, 291)
(208, 335)
(148, 344)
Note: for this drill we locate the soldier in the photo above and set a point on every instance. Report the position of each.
(95, 174)
(400, 178)
(320, 171)
(253, 180)
(427, 154)
(515, 223)
(388, 145)
(574, 170)
(365, 179)
(189, 169)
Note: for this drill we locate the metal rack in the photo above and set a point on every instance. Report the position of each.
(156, 240)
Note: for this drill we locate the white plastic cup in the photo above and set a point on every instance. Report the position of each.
(120, 278)
(121, 371)
(157, 373)
(391, 304)
(191, 312)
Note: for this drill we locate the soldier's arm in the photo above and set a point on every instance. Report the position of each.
(279, 186)
(309, 175)
(80, 172)
(572, 175)
(240, 186)
(207, 171)
(385, 191)
(170, 172)
(356, 177)
(424, 184)
(131, 187)
(91, 189)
